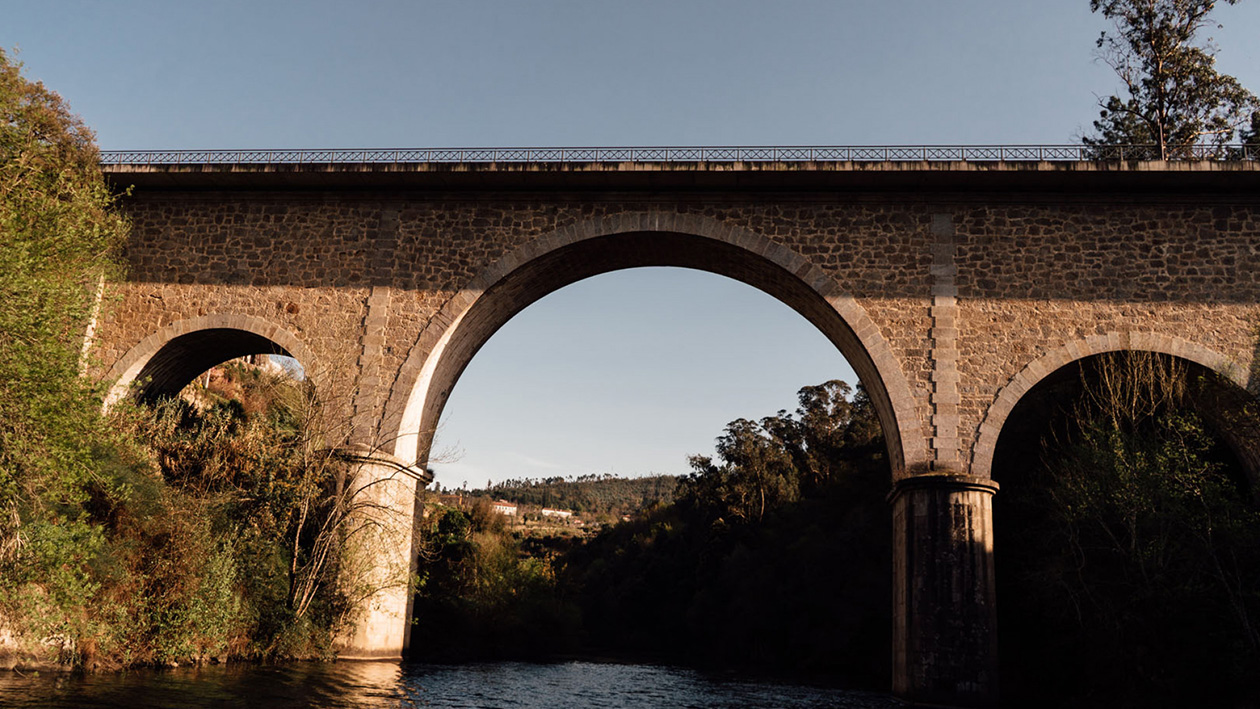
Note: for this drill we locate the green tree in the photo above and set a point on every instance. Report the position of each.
(171, 533)
(1175, 99)
(58, 242)
(755, 475)
(832, 427)
(775, 553)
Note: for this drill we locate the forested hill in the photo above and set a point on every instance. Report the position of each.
(593, 494)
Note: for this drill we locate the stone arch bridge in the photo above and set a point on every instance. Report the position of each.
(951, 286)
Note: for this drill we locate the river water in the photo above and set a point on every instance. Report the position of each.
(567, 685)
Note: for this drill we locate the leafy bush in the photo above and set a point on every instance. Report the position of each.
(1131, 555)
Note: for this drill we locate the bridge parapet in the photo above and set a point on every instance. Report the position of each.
(685, 155)
(471, 171)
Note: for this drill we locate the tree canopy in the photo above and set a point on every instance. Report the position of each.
(774, 462)
(58, 239)
(1174, 98)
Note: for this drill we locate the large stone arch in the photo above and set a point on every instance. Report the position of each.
(1027, 378)
(449, 341)
(169, 358)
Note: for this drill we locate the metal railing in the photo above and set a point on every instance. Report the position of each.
(715, 154)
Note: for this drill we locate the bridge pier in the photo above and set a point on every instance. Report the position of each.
(944, 610)
(381, 560)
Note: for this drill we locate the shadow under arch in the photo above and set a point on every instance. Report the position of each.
(1038, 370)
(1072, 533)
(163, 363)
(448, 343)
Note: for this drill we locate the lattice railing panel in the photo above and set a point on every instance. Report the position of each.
(710, 154)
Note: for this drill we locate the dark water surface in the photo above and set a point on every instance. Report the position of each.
(567, 685)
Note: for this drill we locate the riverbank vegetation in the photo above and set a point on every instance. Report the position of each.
(1129, 552)
(149, 535)
(204, 532)
(1128, 560)
(773, 556)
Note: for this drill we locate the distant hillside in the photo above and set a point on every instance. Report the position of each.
(592, 494)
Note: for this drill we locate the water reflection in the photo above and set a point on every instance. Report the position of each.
(578, 685)
(365, 684)
(374, 685)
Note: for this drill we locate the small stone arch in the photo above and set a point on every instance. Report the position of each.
(1019, 385)
(649, 238)
(167, 359)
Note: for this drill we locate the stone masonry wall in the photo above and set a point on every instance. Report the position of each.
(1033, 278)
(1029, 276)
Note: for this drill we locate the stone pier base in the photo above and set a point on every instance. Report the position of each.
(381, 558)
(944, 610)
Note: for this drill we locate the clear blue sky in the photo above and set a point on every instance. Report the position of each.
(628, 372)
